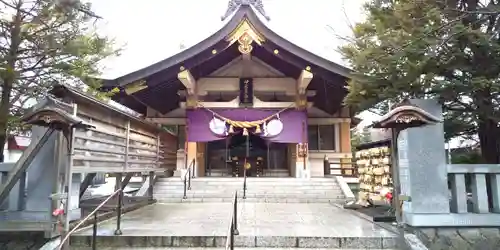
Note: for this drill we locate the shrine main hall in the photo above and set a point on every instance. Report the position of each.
(246, 97)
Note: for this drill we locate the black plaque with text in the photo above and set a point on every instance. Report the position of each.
(246, 91)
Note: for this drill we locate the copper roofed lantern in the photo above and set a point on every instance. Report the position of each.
(55, 118)
(405, 115)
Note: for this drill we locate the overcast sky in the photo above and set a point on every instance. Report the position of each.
(152, 30)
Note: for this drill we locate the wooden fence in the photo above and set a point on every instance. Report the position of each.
(119, 141)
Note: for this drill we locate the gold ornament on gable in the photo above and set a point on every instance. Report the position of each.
(246, 35)
(245, 42)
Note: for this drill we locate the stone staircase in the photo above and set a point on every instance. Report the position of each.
(264, 190)
(260, 225)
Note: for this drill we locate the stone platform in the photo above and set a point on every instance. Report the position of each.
(260, 225)
(202, 248)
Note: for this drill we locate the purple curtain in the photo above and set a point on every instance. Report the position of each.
(293, 120)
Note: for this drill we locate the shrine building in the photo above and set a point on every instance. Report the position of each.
(245, 96)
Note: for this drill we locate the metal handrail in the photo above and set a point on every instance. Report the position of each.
(233, 224)
(187, 178)
(245, 183)
(94, 212)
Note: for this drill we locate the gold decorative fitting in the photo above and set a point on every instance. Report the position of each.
(115, 90)
(135, 87)
(301, 102)
(214, 51)
(47, 119)
(308, 68)
(406, 119)
(276, 51)
(182, 68)
(245, 42)
(190, 102)
(248, 166)
(245, 34)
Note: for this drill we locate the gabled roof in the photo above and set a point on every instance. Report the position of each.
(214, 42)
(157, 85)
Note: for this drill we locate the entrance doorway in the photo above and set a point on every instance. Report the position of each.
(228, 157)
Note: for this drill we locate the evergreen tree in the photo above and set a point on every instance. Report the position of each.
(444, 49)
(43, 42)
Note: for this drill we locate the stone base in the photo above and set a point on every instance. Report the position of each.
(177, 173)
(240, 241)
(302, 173)
(22, 240)
(459, 238)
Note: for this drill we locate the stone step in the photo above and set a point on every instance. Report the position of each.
(248, 182)
(286, 190)
(206, 248)
(219, 185)
(135, 242)
(250, 200)
(250, 179)
(240, 184)
(258, 196)
(251, 192)
(230, 194)
(256, 189)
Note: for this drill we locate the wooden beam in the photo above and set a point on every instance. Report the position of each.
(188, 80)
(257, 104)
(86, 183)
(127, 178)
(326, 121)
(167, 121)
(303, 81)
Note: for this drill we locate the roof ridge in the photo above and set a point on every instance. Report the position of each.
(234, 5)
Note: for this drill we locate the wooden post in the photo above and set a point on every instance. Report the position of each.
(151, 185)
(69, 180)
(127, 144)
(304, 139)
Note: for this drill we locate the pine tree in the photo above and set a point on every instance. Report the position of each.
(444, 49)
(43, 42)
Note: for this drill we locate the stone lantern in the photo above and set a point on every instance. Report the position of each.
(402, 116)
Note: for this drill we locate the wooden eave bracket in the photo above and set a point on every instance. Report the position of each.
(188, 80)
(303, 81)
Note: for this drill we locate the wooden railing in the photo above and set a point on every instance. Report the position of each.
(341, 167)
(119, 141)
